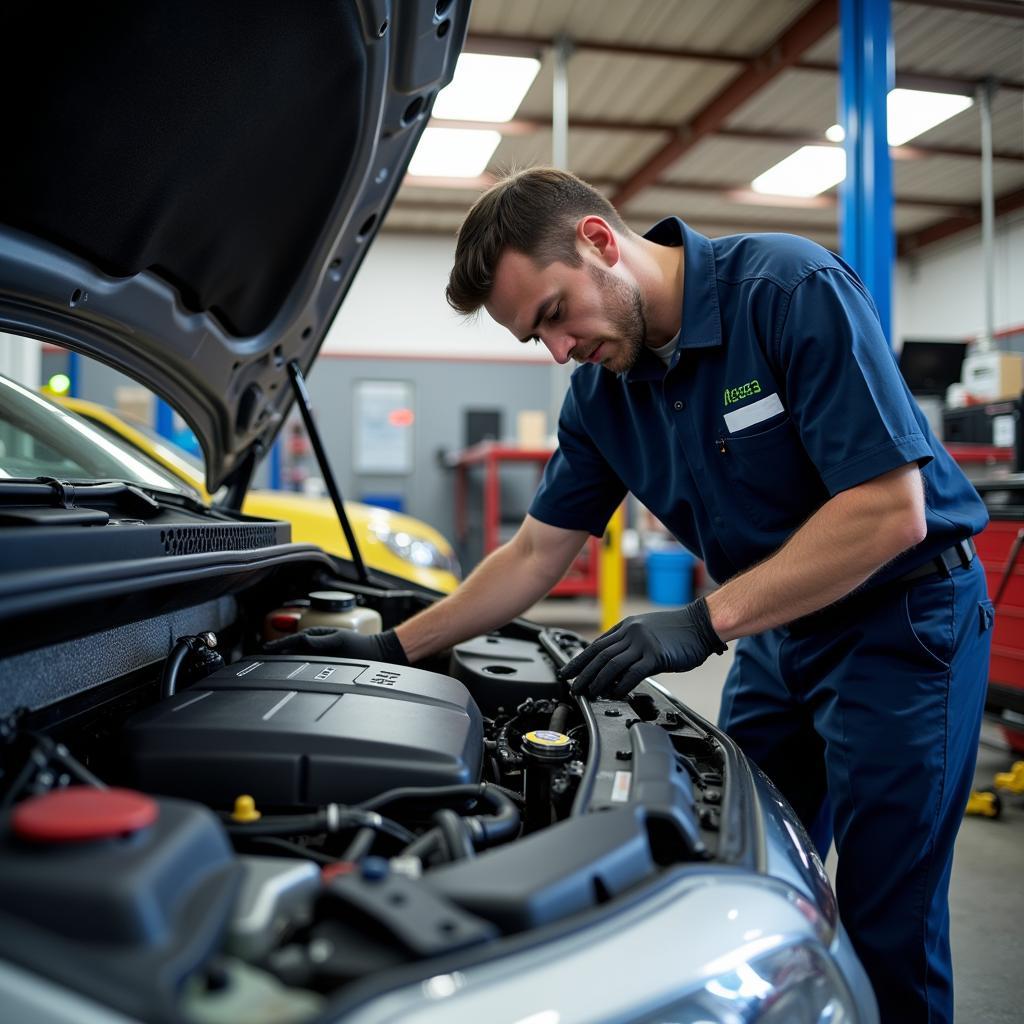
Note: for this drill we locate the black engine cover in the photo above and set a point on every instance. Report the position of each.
(302, 732)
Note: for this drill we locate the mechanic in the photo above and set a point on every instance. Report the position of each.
(743, 390)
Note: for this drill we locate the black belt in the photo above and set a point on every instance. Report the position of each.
(961, 553)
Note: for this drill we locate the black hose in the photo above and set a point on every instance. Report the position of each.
(361, 844)
(169, 679)
(485, 829)
(455, 833)
(279, 825)
(333, 818)
(517, 798)
(469, 791)
(494, 828)
(425, 845)
(560, 718)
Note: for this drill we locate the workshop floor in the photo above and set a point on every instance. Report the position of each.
(987, 891)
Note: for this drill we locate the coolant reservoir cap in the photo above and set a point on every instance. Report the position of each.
(547, 743)
(332, 600)
(81, 813)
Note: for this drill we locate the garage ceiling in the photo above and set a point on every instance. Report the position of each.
(675, 106)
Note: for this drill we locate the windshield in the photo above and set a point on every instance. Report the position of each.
(38, 438)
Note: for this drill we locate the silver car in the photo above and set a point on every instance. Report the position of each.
(194, 830)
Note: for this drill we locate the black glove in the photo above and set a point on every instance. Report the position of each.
(641, 645)
(342, 643)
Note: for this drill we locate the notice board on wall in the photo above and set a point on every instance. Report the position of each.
(383, 427)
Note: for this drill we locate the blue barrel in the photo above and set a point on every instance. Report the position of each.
(670, 576)
(391, 501)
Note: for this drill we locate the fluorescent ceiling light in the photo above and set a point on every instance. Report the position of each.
(454, 152)
(486, 87)
(807, 172)
(910, 112)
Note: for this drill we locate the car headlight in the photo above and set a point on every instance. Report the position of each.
(794, 984)
(415, 550)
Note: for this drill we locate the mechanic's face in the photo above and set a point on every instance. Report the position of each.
(587, 313)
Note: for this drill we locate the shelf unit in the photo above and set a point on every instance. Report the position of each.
(490, 456)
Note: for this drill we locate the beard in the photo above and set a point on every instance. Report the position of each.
(624, 309)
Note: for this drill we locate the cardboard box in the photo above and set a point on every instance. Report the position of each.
(993, 375)
(531, 428)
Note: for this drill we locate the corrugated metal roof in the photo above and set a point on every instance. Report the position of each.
(668, 91)
(737, 26)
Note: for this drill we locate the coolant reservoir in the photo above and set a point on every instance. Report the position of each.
(338, 608)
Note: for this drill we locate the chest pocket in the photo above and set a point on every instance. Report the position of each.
(774, 480)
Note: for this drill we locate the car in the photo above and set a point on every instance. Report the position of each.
(193, 829)
(390, 541)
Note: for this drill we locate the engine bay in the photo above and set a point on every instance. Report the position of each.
(265, 836)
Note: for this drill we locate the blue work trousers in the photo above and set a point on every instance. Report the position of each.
(866, 716)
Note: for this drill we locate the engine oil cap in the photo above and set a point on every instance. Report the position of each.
(332, 600)
(82, 813)
(547, 743)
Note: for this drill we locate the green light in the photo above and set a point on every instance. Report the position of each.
(59, 383)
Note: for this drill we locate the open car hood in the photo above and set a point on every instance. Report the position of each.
(189, 188)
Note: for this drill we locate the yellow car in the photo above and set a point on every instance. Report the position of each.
(389, 541)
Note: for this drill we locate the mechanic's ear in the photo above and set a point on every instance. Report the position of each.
(596, 234)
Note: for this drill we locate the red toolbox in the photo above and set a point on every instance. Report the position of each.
(1001, 549)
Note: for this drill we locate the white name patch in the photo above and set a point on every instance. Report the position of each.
(756, 412)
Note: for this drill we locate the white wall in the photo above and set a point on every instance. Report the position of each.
(20, 359)
(396, 307)
(940, 294)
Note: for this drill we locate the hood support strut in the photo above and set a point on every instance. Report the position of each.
(306, 408)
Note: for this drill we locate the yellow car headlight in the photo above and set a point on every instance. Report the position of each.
(418, 551)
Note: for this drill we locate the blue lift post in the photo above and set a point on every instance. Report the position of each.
(74, 373)
(164, 419)
(275, 463)
(866, 75)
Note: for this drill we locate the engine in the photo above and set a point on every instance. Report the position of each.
(242, 836)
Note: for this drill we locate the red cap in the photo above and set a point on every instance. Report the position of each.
(341, 867)
(80, 813)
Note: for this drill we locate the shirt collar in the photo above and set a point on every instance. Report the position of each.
(701, 320)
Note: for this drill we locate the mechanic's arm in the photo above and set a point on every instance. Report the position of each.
(849, 538)
(502, 586)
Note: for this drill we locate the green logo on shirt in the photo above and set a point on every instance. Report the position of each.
(743, 391)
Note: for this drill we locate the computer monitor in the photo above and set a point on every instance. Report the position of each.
(930, 366)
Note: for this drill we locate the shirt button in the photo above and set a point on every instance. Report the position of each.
(677, 406)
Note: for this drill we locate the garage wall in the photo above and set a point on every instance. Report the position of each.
(396, 306)
(940, 295)
(443, 390)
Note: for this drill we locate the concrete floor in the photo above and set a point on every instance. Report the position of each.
(986, 894)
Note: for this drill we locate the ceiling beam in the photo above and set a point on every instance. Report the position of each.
(534, 46)
(997, 8)
(738, 194)
(528, 125)
(729, 223)
(781, 54)
(909, 151)
(913, 241)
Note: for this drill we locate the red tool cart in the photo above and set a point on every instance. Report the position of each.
(1000, 547)
(582, 577)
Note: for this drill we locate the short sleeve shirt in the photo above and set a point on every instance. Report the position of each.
(782, 392)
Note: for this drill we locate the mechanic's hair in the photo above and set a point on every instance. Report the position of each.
(534, 212)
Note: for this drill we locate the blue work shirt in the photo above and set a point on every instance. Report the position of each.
(782, 392)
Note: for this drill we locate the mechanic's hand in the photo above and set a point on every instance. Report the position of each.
(342, 643)
(641, 645)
